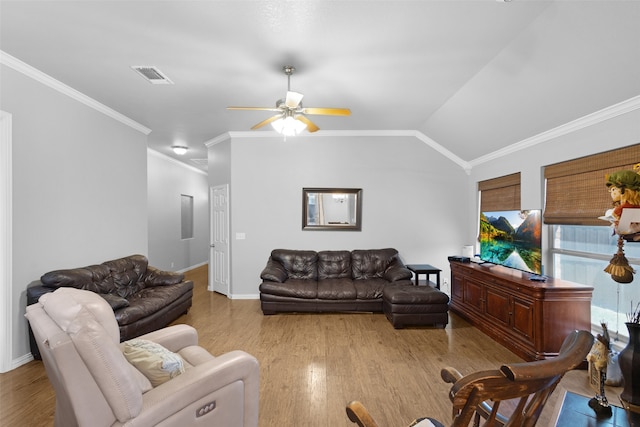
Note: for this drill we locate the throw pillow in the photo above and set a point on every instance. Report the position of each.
(425, 422)
(156, 362)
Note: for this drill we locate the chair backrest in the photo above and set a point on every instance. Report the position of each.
(78, 338)
(480, 395)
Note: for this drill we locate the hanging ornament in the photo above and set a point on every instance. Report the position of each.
(619, 267)
(624, 187)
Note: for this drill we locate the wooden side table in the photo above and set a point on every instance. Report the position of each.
(427, 269)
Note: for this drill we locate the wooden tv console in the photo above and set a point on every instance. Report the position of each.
(530, 318)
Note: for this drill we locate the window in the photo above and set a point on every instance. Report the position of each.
(186, 216)
(580, 244)
(580, 254)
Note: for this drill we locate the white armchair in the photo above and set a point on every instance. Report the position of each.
(95, 385)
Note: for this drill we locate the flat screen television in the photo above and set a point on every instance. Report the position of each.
(512, 239)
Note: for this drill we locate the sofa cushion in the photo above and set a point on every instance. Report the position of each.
(396, 273)
(127, 274)
(94, 278)
(334, 265)
(115, 301)
(411, 294)
(149, 301)
(274, 271)
(336, 289)
(307, 289)
(298, 264)
(372, 263)
(156, 362)
(370, 288)
(156, 277)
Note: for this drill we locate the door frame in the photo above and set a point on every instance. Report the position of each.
(6, 243)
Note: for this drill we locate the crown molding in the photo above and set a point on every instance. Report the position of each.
(176, 162)
(448, 154)
(218, 139)
(49, 81)
(600, 116)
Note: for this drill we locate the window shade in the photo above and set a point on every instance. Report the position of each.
(500, 194)
(576, 193)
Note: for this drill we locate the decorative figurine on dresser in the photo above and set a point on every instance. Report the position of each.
(599, 359)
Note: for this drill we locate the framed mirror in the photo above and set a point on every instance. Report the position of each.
(332, 209)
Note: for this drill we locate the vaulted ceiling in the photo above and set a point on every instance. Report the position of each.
(474, 76)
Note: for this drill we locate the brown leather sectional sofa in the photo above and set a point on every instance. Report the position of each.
(310, 281)
(143, 298)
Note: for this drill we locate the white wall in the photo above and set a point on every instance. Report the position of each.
(79, 192)
(411, 199)
(167, 180)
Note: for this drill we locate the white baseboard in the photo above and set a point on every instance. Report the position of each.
(244, 296)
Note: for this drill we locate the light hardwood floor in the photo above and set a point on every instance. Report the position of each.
(312, 365)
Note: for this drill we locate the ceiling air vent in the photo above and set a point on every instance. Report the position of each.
(152, 75)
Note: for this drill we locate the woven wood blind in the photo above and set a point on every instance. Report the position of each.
(500, 194)
(576, 192)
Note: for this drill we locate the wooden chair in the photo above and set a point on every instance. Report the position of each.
(477, 397)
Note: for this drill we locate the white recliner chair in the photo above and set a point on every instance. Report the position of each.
(95, 384)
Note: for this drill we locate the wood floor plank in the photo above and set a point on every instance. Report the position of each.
(312, 365)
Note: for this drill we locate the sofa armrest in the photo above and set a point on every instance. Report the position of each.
(156, 277)
(173, 338)
(393, 274)
(274, 272)
(35, 292)
(217, 378)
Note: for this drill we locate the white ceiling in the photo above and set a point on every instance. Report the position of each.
(474, 76)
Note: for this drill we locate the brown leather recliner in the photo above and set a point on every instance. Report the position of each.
(96, 385)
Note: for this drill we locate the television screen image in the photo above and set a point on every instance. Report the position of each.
(512, 239)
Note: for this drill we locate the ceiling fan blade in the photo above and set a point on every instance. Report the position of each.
(254, 108)
(311, 127)
(267, 121)
(293, 99)
(327, 111)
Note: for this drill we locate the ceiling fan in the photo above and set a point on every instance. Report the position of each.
(292, 116)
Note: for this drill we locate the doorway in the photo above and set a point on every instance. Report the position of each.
(219, 239)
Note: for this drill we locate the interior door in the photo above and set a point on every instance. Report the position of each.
(219, 240)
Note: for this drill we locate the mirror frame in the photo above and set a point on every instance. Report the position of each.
(342, 227)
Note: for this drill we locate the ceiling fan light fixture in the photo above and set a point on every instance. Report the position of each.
(288, 126)
(179, 149)
(291, 117)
